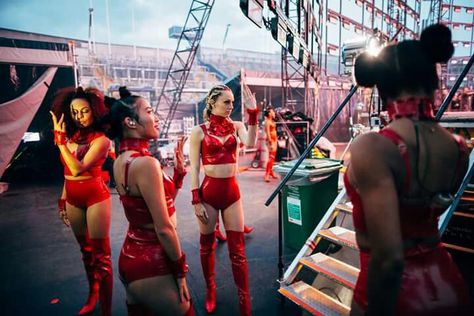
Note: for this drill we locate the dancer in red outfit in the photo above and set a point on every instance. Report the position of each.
(152, 265)
(271, 133)
(216, 143)
(85, 202)
(400, 180)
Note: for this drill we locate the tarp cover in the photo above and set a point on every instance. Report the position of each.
(17, 114)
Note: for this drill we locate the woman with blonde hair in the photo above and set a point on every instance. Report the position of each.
(216, 143)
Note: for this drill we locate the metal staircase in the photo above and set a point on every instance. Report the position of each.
(335, 227)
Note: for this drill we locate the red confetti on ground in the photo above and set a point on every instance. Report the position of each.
(54, 301)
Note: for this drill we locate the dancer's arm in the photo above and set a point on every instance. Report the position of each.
(98, 149)
(194, 158)
(180, 167)
(249, 138)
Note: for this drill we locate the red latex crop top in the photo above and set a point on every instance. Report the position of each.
(214, 152)
(416, 221)
(80, 153)
(135, 207)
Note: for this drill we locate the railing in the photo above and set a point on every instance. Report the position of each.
(290, 174)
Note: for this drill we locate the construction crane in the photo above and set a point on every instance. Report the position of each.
(182, 61)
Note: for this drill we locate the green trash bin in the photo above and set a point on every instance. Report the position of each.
(306, 197)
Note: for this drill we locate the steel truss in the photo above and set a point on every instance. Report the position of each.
(182, 61)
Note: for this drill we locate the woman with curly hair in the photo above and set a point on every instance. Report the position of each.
(85, 202)
(400, 181)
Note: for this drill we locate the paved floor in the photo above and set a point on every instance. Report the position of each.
(42, 271)
(41, 262)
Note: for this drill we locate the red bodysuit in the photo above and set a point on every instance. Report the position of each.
(220, 193)
(142, 255)
(431, 283)
(84, 193)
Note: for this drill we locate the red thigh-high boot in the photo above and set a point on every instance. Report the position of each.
(190, 311)
(235, 243)
(208, 262)
(218, 233)
(88, 260)
(103, 266)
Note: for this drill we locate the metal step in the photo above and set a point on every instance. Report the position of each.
(334, 269)
(345, 208)
(341, 236)
(313, 300)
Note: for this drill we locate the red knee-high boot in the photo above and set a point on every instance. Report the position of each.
(103, 270)
(88, 260)
(218, 233)
(236, 245)
(208, 262)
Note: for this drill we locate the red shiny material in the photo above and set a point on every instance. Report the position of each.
(84, 193)
(220, 126)
(216, 152)
(88, 260)
(196, 196)
(60, 138)
(179, 268)
(431, 282)
(136, 144)
(412, 107)
(61, 204)
(103, 273)
(212, 193)
(253, 116)
(208, 263)
(82, 149)
(178, 178)
(142, 256)
(236, 245)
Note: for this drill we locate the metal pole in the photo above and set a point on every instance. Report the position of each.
(108, 27)
(281, 264)
(455, 88)
(311, 145)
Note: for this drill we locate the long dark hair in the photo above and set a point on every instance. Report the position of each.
(406, 67)
(62, 105)
(119, 110)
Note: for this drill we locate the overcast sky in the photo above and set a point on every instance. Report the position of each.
(70, 18)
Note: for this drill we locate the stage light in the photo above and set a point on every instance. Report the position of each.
(373, 46)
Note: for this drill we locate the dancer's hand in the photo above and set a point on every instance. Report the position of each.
(201, 213)
(179, 154)
(58, 125)
(63, 217)
(183, 290)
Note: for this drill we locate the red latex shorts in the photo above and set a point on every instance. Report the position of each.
(220, 193)
(142, 256)
(84, 193)
(431, 284)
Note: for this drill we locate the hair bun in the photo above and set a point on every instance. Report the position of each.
(124, 93)
(109, 101)
(366, 70)
(436, 42)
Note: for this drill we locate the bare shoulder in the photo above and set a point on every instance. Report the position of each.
(372, 145)
(238, 125)
(146, 166)
(197, 132)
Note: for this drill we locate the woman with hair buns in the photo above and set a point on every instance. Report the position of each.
(85, 202)
(400, 180)
(152, 265)
(216, 142)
